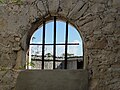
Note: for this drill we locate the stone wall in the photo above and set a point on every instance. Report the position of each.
(56, 80)
(98, 21)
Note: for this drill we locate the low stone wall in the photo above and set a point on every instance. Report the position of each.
(52, 80)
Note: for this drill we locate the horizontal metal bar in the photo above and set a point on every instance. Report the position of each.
(56, 44)
(52, 60)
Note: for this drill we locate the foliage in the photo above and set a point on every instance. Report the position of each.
(13, 1)
(17, 1)
(48, 55)
(31, 64)
(2, 1)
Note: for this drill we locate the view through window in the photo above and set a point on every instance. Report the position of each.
(56, 45)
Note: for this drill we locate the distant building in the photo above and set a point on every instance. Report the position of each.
(74, 62)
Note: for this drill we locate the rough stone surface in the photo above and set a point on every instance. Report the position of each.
(98, 22)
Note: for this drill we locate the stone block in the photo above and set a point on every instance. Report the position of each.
(77, 7)
(53, 6)
(42, 8)
(52, 79)
(100, 44)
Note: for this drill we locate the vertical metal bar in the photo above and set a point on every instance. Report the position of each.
(54, 50)
(43, 46)
(66, 42)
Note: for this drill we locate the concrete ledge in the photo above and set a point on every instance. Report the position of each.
(52, 80)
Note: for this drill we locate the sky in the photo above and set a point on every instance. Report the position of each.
(73, 37)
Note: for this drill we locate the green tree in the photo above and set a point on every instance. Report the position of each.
(48, 55)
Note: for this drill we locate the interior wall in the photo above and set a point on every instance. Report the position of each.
(97, 20)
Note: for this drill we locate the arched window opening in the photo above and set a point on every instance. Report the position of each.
(55, 45)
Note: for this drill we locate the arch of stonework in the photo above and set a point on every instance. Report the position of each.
(46, 10)
(97, 21)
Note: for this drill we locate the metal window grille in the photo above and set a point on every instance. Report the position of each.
(55, 44)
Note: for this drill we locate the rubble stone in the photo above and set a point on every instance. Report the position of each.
(98, 21)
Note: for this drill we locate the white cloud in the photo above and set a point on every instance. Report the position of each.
(49, 49)
(36, 49)
(72, 49)
(75, 49)
(60, 49)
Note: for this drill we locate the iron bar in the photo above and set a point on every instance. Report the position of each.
(43, 45)
(66, 41)
(54, 50)
(56, 44)
(52, 60)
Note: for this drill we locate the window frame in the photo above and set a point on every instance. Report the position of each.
(55, 44)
